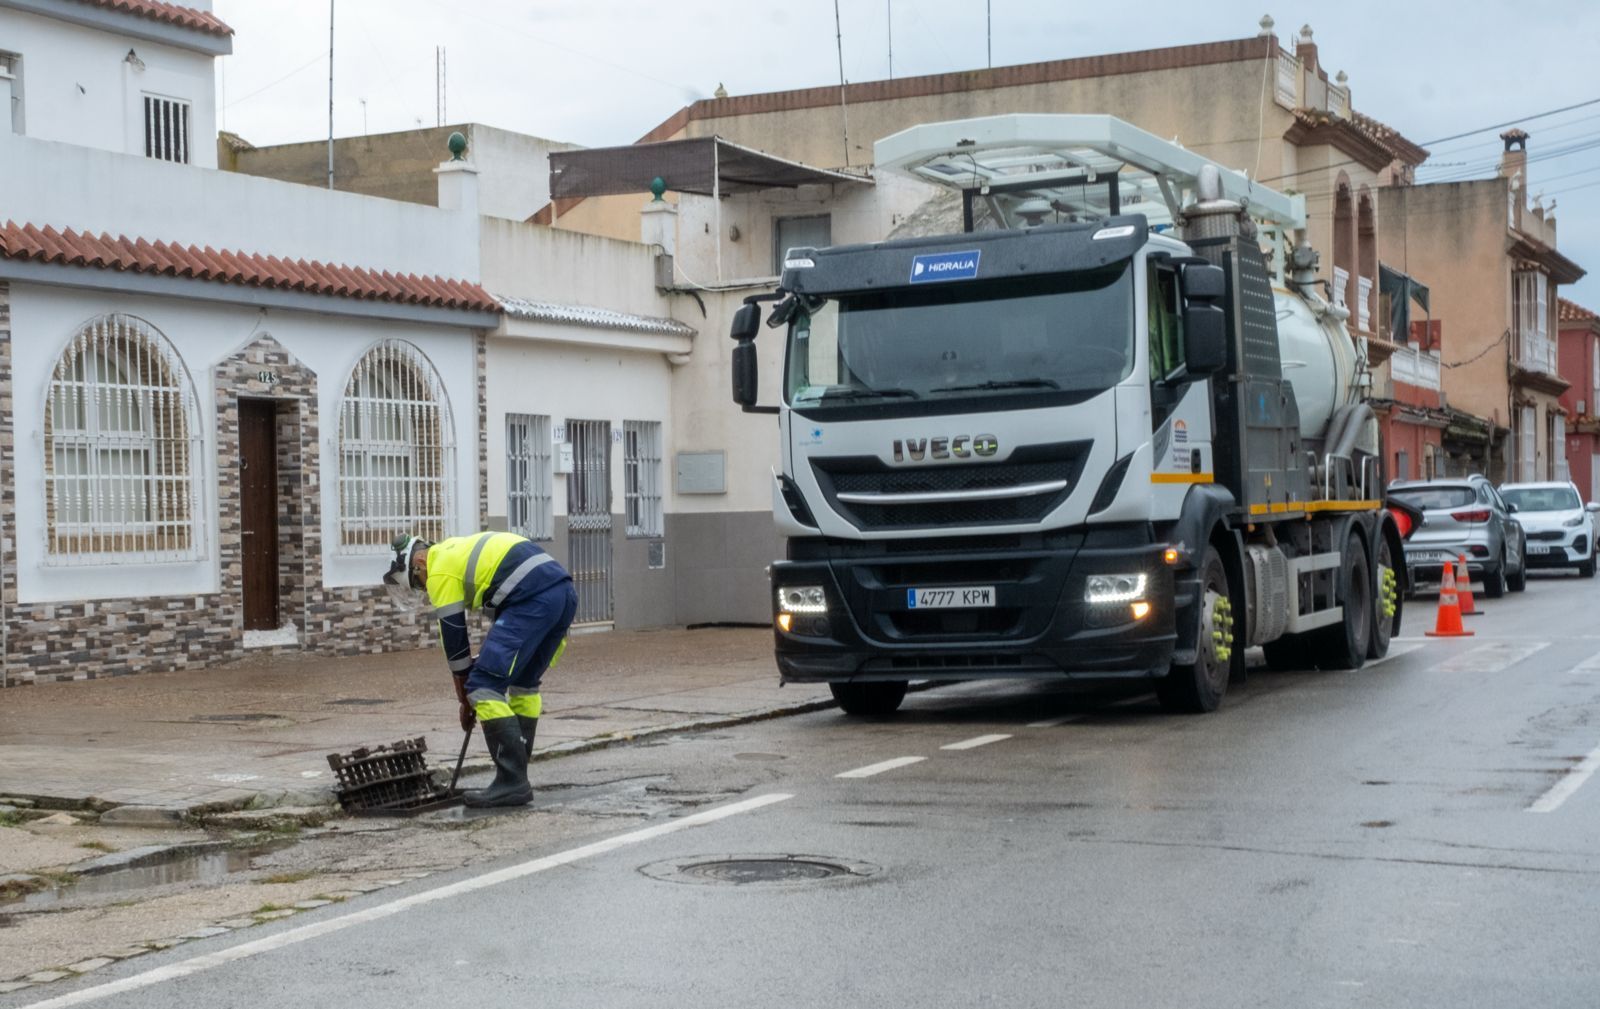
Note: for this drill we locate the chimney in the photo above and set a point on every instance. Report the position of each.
(1514, 161)
(458, 180)
(1306, 50)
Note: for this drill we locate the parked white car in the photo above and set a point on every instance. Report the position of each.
(1559, 527)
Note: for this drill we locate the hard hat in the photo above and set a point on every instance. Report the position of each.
(400, 581)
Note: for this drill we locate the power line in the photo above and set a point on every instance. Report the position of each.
(313, 61)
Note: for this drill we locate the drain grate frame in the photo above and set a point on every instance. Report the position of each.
(759, 870)
(389, 780)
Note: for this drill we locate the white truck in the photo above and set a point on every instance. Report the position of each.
(1118, 435)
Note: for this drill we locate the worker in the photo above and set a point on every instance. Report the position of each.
(530, 598)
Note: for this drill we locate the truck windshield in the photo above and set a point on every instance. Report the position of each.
(1063, 332)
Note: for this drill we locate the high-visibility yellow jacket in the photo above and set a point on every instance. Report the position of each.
(483, 571)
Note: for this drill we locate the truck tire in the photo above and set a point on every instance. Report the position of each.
(1344, 645)
(1385, 599)
(1494, 582)
(1200, 686)
(869, 700)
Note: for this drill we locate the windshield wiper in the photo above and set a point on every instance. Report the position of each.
(867, 394)
(1010, 383)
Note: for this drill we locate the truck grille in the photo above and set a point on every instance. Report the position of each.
(1031, 464)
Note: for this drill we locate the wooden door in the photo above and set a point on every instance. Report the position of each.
(258, 491)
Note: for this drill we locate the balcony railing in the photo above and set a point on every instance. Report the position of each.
(1415, 368)
(1364, 304)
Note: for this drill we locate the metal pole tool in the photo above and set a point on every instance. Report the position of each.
(462, 756)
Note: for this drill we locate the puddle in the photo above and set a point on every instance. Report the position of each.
(204, 867)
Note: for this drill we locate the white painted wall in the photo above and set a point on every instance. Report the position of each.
(78, 87)
(514, 171)
(564, 382)
(45, 319)
(67, 186)
(570, 268)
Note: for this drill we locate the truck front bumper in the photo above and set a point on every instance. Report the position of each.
(1041, 623)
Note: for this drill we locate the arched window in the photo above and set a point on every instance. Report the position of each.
(121, 444)
(396, 450)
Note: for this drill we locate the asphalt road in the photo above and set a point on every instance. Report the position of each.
(1422, 832)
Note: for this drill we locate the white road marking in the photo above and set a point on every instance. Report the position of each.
(1589, 665)
(879, 768)
(1491, 658)
(1395, 651)
(975, 741)
(316, 930)
(1570, 782)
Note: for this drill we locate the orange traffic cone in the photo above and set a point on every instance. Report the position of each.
(1449, 622)
(1464, 588)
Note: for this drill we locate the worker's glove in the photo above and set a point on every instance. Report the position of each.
(468, 716)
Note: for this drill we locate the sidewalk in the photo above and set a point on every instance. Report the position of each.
(258, 733)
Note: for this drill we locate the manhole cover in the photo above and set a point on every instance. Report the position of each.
(747, 869)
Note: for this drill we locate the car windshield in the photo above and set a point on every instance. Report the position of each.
(1542, 499)
(1059, 333)
(1429, 498)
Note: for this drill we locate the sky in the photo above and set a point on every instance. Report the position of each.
(603, 72)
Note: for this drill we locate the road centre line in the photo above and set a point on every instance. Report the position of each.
(879, 768)
(1051, 723)
(316, 930)
(1570, 782)
(976, 741)
(1589, 665)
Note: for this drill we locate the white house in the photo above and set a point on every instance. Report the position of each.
(220, 396)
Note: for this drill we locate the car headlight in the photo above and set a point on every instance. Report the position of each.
(802, 599)
(1573, 523)
(1113, 588)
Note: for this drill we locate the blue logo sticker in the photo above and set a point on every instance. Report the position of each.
(911, 598)
(937, 266)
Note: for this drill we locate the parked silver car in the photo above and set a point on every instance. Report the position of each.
(1464, 515)
(1559, 528)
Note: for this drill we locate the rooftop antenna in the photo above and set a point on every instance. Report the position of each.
(439, 77)
(838, 35)
(988, 32)
(330, 94)
(889, 11)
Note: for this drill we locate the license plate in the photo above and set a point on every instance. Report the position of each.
(1431, 556)
(947, 599)
(1538, 550)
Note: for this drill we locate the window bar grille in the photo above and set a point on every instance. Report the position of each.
(396, 451)
(121, 427)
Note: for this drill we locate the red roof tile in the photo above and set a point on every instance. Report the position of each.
(176, 15)
(1571, 311)
(73, 248)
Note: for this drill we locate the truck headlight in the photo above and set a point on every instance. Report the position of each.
(1113, 588)
(802, 599)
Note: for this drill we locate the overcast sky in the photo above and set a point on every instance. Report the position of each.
(600, 72)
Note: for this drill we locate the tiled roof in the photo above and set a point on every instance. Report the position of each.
(247, 269)
(600, 318)
(1571, 311)
(1389, 137)
(176, 15)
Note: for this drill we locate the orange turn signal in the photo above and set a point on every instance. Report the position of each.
(784, 620)
(1141, 609)
(1170, 555)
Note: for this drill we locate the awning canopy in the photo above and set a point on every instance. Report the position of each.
(702, 165)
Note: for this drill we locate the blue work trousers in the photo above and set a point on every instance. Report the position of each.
(524, 638)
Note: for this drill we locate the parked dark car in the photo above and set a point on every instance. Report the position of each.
(1464, 515)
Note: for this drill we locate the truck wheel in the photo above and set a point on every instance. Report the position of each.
(1199, 687)
(1287, 654)
(869, 700)
(1494, 582)
(1385, 603)
(1344, 645)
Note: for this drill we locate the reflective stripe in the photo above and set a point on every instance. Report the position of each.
(561, 650)
(449, 610)
(526, 705)
(517, 576)
(469, 586)
(461, 665)
(485, 694)
(488, 711)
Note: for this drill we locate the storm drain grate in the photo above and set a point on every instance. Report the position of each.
(388, 780)
(742, 870)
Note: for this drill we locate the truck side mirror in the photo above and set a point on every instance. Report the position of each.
(746, 322)
(1202, 282)
(745, 373)
(1205, 339)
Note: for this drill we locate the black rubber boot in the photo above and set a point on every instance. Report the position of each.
(510, 786)
(527, 727)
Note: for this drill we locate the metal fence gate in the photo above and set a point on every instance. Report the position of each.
(589, 518)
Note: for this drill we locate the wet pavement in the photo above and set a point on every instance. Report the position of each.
(258, 733)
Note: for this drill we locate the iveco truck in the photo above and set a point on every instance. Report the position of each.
(1113, 429)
